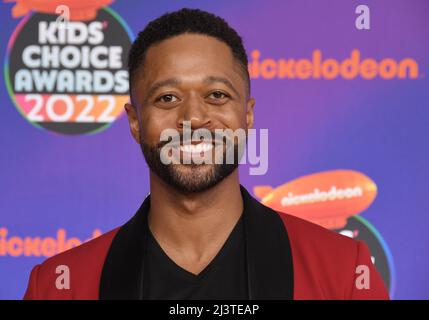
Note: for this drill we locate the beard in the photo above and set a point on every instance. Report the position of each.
(190, 178)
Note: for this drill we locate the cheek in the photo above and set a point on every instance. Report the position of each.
(232, 118)
(153, 123)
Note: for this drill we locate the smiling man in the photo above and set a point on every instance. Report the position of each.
(200, 234)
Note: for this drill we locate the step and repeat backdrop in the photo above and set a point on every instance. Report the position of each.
(341, 86)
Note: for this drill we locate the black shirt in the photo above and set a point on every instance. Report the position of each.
(225, 277)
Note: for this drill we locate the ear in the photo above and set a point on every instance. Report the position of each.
(133, 121)
(249, 112)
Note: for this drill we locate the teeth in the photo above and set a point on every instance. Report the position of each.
(196, 148)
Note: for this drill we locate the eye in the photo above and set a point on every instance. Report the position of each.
(167, 98)
(218, 95)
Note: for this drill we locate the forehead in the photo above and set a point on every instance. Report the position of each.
(189, 56)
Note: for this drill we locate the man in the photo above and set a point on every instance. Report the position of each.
(200, 234)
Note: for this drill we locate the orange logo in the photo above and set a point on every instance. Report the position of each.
(81, 10)
(318, 67)
(16, 246)
(326, 198)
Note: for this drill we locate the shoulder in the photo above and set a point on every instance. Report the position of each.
(81, 266)
(304, 233)
(316, 247)
(85, 254)
(326, 264)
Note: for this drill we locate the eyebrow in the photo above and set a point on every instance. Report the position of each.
(158, 85)
(174, 82)
(225, 81)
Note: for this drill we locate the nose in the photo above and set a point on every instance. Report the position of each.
(195, 112)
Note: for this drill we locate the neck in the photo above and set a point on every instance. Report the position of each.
(194, 222)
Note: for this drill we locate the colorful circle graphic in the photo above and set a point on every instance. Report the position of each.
(69, 78)
(359, 228)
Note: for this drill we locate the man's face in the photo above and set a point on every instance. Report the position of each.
(192, 78)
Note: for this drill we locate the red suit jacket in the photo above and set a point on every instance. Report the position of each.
(287, 258)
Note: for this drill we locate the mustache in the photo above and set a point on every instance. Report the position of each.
(215, 138)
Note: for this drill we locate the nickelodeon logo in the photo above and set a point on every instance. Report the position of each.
(326, 198)
(39, 246)
(319, 68)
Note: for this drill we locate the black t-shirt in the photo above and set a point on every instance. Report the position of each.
(224, 277)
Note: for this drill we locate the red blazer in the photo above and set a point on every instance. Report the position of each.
(287, 258)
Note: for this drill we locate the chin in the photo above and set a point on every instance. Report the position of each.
(193, 178)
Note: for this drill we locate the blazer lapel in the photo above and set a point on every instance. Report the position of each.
(269, 257)
(122, 273)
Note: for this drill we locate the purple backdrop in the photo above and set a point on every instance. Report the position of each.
(378, 127)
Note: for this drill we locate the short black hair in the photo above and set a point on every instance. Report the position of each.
(186, 21)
